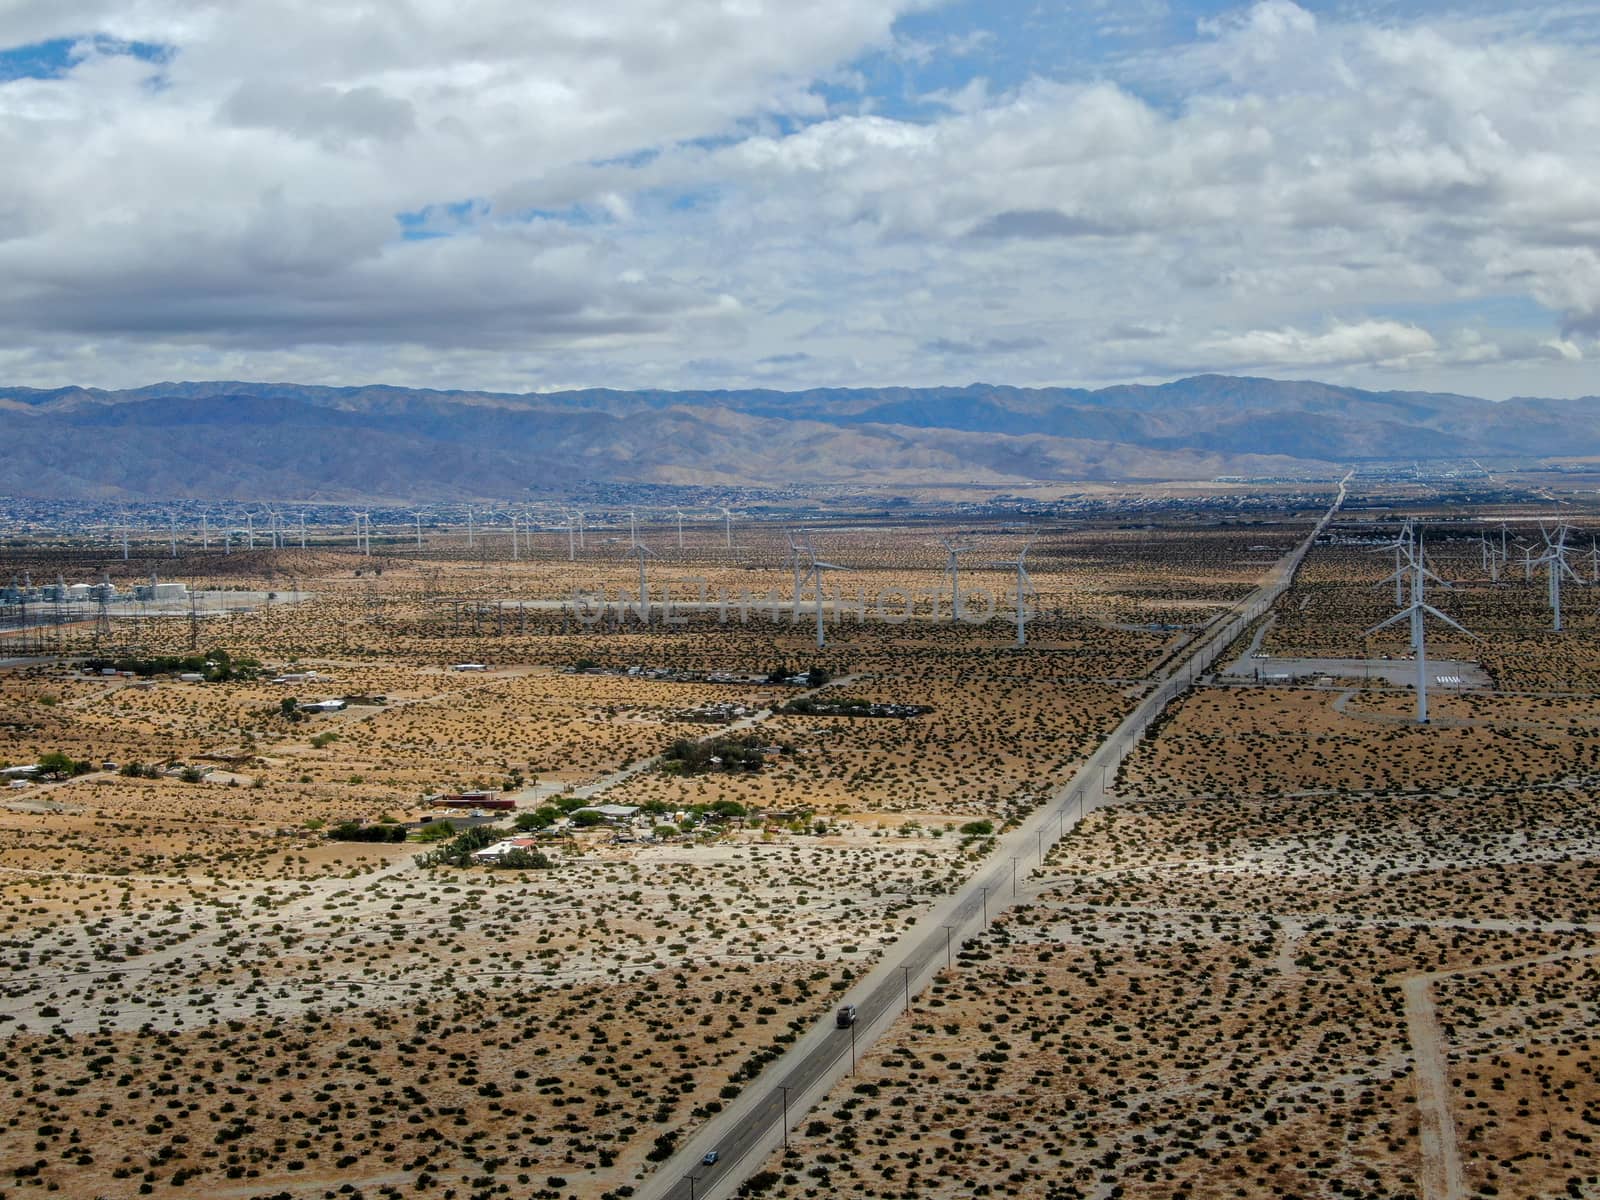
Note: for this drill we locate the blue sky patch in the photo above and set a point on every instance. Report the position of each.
(56, 58)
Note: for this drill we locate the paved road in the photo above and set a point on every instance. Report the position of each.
(756, 1122)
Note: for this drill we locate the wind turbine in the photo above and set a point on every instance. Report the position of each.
(817, 568)
(680, 529)
(469, 527)
(572, 529)
(417, 517)
(1024, 586)
(205, 528)
(1402, 547)
(1494, 559)
(250, 528)
(172, 532)
(727, 518)
(302, 529)
(1554, 562)
(953, 570)
(1414, 612)
(633, 529)
(641, 551)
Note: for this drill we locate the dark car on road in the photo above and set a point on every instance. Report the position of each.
(847, 1016)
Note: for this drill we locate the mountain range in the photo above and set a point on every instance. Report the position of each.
(245, 441)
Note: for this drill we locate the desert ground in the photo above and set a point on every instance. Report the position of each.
(1313, 950)
(202, 993)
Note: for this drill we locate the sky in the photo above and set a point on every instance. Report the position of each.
(492, 194)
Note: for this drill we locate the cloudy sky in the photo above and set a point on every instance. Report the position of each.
(791, 193)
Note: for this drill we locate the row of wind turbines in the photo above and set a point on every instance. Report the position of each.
(809, 571)
(1411, 577)
(279, 530)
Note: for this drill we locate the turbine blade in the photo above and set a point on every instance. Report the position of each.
(1454, 624)
(1402, 614)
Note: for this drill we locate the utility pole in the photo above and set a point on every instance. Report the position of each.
(784, 1088)
(948, 962)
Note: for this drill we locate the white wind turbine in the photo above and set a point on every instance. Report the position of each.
(641, 551)
(680, 529)
(1402, 546)
(1554, 562)
(796, 559)
(727, 519)
(250, 529)
(1024, 589)
(1418, 574)
(302, 529)
(953, 569)
(205, 528)
(817, 568)
(572, 529)
(417, 517)
(172, 532)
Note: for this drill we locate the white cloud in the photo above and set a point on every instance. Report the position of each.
(1270, 195)
(1388, 342)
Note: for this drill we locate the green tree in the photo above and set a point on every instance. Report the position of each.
(540, 818)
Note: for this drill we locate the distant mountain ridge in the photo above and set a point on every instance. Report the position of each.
(240, 440)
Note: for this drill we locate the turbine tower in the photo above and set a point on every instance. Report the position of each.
(953, 569)
(817, 568)
(1554, 562)
(1024, 587)
(641, 551)
(417, 517)
(1417, 574)
(727, 519)
(680, 529)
